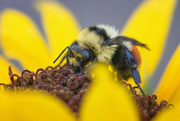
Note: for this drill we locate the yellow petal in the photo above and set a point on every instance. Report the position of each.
(4, 72)
(150, 24)
(33, 107)
(60, 25)
(170, 81)
(107, 100)
(176, 96)
(21, 40)
(169, 115)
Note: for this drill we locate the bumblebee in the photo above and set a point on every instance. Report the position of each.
(101, 43)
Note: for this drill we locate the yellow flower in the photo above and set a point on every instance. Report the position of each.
(18, 40)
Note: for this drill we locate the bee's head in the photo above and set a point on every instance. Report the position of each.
(78, 58)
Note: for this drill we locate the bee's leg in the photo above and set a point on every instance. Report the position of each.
(140, 89)
(133, 66)
(81, 70)
(137, 79)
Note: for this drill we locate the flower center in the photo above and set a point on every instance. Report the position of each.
(69, 87)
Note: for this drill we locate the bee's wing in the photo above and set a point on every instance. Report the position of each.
(119, 39)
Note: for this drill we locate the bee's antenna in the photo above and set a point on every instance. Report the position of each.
(60, 54)
(65, 56)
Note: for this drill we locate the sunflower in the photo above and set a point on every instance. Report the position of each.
(105, 100)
